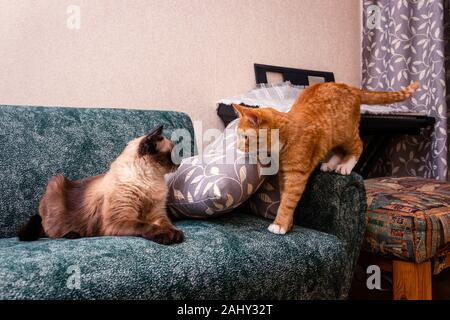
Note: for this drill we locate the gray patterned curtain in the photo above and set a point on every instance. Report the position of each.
(403, 41)
(447, 73)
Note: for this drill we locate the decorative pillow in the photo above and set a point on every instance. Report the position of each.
(213, 183)
(266, 200)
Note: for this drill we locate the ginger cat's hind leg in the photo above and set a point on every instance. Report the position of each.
(353, 149)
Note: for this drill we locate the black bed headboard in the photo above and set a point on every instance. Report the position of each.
(295, 76)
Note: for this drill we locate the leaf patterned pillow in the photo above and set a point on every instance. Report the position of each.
(266, 201)
(210, 184)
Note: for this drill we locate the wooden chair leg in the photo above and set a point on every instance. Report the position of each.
(411, 281)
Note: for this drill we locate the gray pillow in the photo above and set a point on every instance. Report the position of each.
(266, 200)
(209, 185)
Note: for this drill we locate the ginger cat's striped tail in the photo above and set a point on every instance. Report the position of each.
(372, 97)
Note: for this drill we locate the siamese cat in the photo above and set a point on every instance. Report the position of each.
(128, 200)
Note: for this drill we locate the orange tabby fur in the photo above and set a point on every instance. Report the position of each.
(324, 119)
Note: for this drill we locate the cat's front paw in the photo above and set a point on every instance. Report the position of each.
(324, 167)
(277, 229)
(166, 236)
(344, 169)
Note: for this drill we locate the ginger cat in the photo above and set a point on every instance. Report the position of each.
(323, 120)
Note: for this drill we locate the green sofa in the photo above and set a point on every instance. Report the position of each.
(231, 257)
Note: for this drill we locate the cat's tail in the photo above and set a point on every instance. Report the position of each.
(372, 97)
(32, 230)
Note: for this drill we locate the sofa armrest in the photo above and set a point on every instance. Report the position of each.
(335, 204)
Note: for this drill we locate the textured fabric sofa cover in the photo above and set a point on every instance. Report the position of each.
(223, 258)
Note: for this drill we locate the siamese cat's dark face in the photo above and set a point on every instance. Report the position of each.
(157, 148)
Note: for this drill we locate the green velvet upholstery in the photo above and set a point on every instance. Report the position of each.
(229, 257)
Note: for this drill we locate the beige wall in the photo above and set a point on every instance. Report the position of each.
(167, 54)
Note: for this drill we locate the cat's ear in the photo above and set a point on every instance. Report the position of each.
(253, 116)
(155, 132)
(149, 144)
(238, 108)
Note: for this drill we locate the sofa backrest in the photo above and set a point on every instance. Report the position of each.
(39, 142)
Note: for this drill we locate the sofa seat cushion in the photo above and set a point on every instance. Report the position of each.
(223, 258)
(408, 218)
